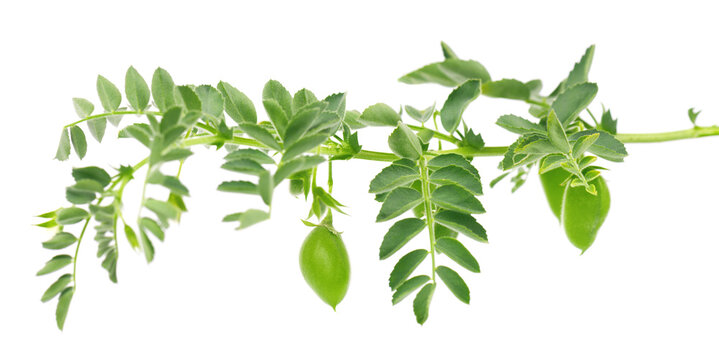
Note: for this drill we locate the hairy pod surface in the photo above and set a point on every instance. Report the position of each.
(584, 213)
(325, 264)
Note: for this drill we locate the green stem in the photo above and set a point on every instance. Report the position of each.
(437, 134)
(428, 210)
(77, 251)
(465, 150)
(139, 112)
(670, 135)
(538, 103)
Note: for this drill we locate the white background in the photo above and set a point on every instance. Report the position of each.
(646, 289)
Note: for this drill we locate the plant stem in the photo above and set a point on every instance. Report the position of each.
(437, 134)
(465, 150)
(428, 209)
(77, 251)
(128, 112)
(670, 135)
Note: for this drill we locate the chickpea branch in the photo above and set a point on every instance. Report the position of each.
(428, 185)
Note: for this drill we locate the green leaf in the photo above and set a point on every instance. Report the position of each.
(248, 218)
(56, 287)
(398, 202)
(243, 187)
(507, 89)
(131, 237)
(176, 154)
(284, 170)
(457, 102)
(110, 96)
(551, 162)
(63, 305)
(450, 72)
(573, 101)
(462, 223)
(305, 144)
(301, 122)
(425, 136)
(302, 98)
(162, 209)
(83, 107)
(421, 303)
(140, 132)
(398, 235)
(147, 224)
(457, 252)
(244, 166)
(583, 143)
(278, 105)
(580, 72)
(170, 119)
(211, 99)
(136, 90)
(115, 119)
(91, 173)
(445, 160)
(420, 115)
(61, 240)
(97, 128)
(454, 282)
(71, 215)
(56, 263)
(351, 119)
(692, 116)
(172, 183)
(447, 51)
(391, 177)
(379, 115)
(408, 287)
(405, 143)
(252, 154)
(556, 133)
(405, 266)
(63, 148)
(184, 95)
(260, 134)
(147, 248)
(609, 124)
(78, 141)
(327, 199)
(84, 192)
(606, 146)
(453, 197)
(519, 125)
(266, 187)
(455, 175)
(163, 88)
(237, 104)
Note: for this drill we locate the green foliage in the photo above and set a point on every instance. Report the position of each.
(429, 184)
(457, 102)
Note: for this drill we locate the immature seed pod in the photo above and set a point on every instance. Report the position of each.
(553, 189)
(584, 213)
(325, 264)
